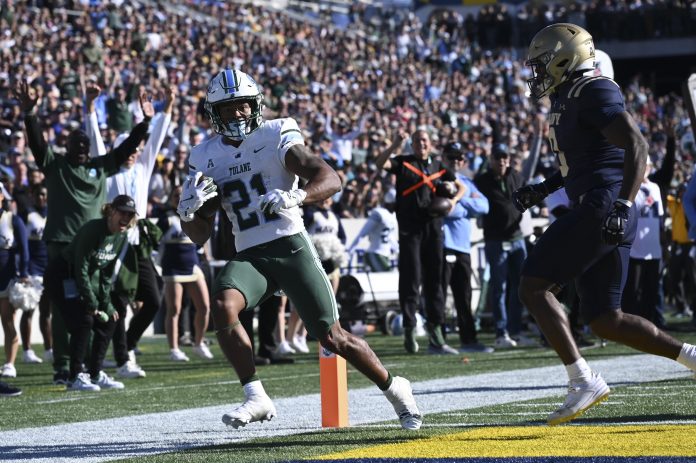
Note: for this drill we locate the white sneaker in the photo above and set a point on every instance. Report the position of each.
(254, 408)
(29, 356)
(504, 341)
(400, 396)
(8, 371)
(581, 396)
(105, 381)
(48, 356)
(202, 351)
(130, 370)
(285, 349)
(300, 344)
(525, 341)
(83, 383)
(177, 356)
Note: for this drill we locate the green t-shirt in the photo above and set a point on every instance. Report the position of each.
(92, 255)
(77, 193)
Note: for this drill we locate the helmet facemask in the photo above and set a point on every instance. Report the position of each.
(233, 86)
(237, 128)
(555, 54)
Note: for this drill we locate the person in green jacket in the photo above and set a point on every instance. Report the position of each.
(79, 284)
(76, 192)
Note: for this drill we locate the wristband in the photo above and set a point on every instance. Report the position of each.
(625, 202)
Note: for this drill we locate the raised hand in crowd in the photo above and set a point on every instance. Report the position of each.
(146, 105)
(27, 96)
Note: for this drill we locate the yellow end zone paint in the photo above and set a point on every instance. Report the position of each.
(542, 441)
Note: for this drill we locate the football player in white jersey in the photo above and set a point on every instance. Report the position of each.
(380, 230)
(253, 168)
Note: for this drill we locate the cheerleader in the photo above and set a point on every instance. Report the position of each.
(38, 257)
(180, 270)
(13, 243)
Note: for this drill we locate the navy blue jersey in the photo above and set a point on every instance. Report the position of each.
(580, 108)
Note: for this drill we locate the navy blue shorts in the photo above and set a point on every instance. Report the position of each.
(572, 248)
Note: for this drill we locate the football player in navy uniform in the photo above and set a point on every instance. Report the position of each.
(602, 157)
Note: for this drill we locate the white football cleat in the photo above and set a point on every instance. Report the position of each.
(400, 396)
(581, 396)
(82, 382)
(8, 370)
(300, 344)
(254, 408)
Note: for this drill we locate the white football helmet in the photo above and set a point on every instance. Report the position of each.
(233, 85)
(556, 52)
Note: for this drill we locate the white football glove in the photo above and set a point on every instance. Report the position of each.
(275, 200)
(194, 194)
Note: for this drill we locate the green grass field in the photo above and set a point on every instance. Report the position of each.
(170, 387)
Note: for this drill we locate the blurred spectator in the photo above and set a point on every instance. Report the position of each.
(14, 262)
(457, 272)
(504, 245)
(641, 296)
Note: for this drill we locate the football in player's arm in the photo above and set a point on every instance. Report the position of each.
(253, 165)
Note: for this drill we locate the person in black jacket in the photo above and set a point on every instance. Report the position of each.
(504, 244)
(421, 239)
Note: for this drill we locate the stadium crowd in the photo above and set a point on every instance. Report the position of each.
(354, 90)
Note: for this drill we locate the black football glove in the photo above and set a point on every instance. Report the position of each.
(614, 226)
(529, 195)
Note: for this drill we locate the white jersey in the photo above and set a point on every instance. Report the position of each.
(323, 223)
(648, 201)
(7, 238)
(35, 225)
(380, 230)
(253, 169)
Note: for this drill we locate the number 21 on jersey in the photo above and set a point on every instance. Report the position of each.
(236, 194)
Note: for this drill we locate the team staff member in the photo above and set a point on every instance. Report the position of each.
(79, 284)
(420, 236)
(76, 191)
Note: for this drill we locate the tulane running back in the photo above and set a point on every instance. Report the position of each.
(255, 166)
(244, 175)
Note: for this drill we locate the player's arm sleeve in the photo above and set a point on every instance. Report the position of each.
(600, 102)
(22, 242)
(39, 148)
(371, 222)
(96, 142)
(154, 143)
(290, 135)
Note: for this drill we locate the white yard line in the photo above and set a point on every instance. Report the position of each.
(152, 433)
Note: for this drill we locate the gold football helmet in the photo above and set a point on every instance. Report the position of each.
(555, 53)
